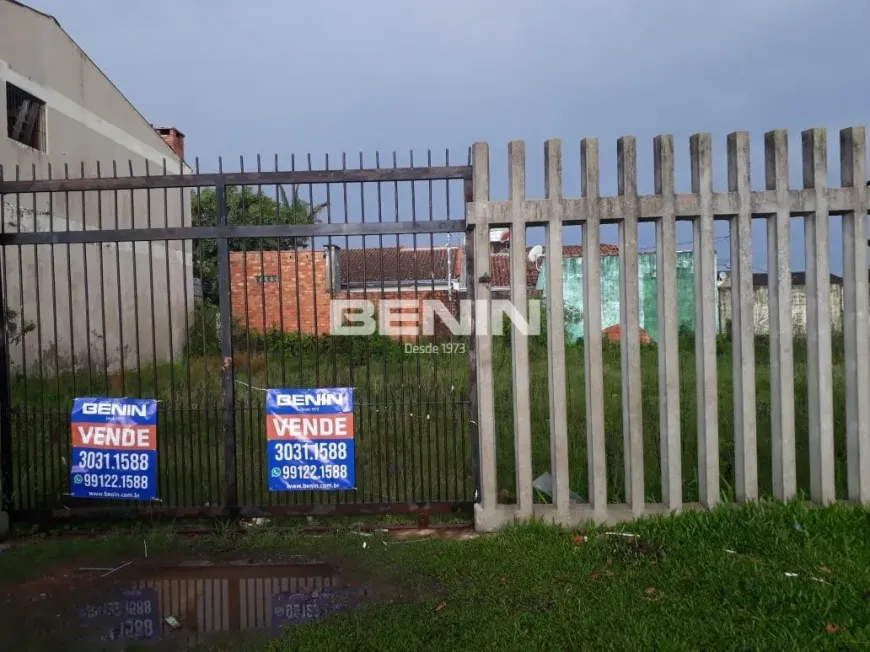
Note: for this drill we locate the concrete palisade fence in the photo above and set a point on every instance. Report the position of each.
(815, 202)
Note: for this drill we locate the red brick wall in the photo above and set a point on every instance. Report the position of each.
(307, 272)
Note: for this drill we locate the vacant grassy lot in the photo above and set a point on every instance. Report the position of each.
(412, 418)
(763, 577)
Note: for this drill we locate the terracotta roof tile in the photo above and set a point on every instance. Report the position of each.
(500, 264)
(390, 265)
(373, 266)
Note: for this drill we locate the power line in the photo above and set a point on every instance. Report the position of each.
(685, 244)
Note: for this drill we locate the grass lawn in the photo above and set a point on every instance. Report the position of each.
(532, 588)
(764, 577)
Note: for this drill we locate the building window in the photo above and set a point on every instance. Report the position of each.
(25, 118)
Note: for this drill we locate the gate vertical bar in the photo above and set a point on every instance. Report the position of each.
(519, 341)
(668, 358)
(781, 340)
(819, 370)
(5, 420)
(705, 331)
(853, 175)
(483, 336)
(470, 286)
(629, 324)
(556, 332)
(231, 496)
(6, 487)
(742, 325)
(592, 351)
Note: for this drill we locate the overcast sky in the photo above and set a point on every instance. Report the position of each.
(267, 76)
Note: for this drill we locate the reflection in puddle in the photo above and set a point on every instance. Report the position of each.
(131, 615)
(209, 599)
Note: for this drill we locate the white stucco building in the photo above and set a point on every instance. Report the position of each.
(61, 112)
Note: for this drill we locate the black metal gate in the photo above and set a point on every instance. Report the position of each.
(202, 290)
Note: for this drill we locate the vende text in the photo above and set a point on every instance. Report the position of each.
(311, 426)
(114, 437)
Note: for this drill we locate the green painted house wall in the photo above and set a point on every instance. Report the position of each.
(572, 274)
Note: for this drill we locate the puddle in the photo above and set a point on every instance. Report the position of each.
(205, 600)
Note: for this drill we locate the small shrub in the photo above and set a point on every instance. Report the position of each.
(203, 336)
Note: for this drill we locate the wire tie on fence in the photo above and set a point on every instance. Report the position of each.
(259, 389)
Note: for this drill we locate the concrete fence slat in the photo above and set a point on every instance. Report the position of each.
(593, 357)
(781, 338)
(519, 341)
(668, 325)
(743, 324)
(700, 147)
(853, 175)
(629, 324)
(556, 335)
(818, 319)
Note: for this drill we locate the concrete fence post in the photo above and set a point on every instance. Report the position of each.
(483, 336)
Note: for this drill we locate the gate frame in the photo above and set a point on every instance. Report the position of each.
(221, 234)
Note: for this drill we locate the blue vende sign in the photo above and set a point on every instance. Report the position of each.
(309, 439)
(114, 448)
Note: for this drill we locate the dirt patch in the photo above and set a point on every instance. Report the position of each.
(629, 550)
(457, 533)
